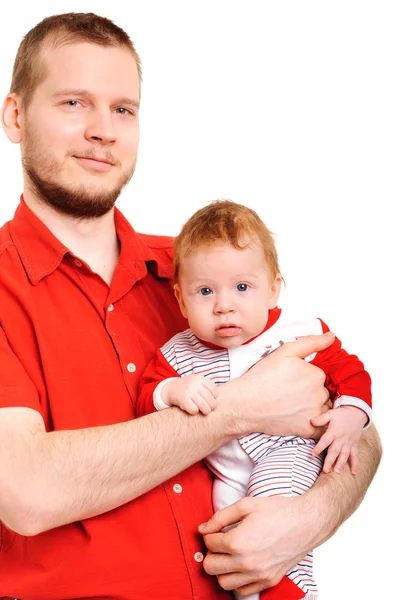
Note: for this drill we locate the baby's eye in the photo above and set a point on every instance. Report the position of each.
(242, 287)
(205, 291)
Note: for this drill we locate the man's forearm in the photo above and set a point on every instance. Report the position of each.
(335, 496)
(71, 475)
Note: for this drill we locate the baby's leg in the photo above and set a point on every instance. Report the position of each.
(287, 470)
(224, 495)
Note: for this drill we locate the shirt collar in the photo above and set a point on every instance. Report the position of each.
(41, 252)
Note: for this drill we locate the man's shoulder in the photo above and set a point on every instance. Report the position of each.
(160, 247)
(5, 238)
(157, 242)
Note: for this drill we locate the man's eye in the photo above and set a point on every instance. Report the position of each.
(205, 291)
(72, 103)
(123, 111)
(242, 287)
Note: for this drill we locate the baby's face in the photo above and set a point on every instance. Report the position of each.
(226, 293)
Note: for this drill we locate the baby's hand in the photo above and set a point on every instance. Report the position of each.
(345, 426)
(193, 394)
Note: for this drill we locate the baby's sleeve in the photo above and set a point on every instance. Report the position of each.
(346, 378)
(156, 372)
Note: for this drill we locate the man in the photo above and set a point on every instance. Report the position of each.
(95, 503)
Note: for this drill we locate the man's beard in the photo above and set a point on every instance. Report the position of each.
(80, 203)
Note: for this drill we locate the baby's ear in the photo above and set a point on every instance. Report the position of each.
(275, 292)
(179, 298)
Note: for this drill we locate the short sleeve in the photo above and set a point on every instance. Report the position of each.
(16, 388)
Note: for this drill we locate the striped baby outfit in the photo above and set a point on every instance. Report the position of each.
(258, 464)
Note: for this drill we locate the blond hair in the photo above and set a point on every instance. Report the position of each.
(57, 30)
(226, 222)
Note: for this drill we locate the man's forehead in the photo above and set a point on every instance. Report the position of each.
(91, 67)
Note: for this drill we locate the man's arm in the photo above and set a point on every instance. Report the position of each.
(276, 533)
(50, 479)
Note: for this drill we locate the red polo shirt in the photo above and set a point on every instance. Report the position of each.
(73, 348)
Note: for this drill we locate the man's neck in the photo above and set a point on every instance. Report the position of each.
(93, 240)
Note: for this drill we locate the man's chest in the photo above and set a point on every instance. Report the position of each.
(85, 355)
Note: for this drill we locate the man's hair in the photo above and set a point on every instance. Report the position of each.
(58, 30)
(225, 222)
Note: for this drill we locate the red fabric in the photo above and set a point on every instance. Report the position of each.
(284, 590)
(156, 371)
(65, 355)
(345, 374)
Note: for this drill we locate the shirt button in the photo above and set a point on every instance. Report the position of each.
(198, 556)
(78, 263)
(177, 488)
(110, 308)
(131, 368)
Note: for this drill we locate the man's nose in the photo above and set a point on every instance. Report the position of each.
(101, 127)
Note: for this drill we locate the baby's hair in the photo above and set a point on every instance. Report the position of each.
(225, 222)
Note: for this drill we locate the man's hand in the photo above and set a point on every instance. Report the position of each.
(275, 533)
(282, 392)
(257, 553)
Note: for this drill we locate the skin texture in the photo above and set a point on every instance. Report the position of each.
(93, 141)
(221, 286)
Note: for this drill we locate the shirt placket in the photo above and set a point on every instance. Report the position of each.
(193, 547)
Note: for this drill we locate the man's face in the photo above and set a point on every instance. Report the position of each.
(80, 131)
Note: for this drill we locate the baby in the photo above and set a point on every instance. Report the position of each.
(227, 283)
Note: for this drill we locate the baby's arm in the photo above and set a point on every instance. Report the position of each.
(350, 388)
(345, 425)
(161, 387)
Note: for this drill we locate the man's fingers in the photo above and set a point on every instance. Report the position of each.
(217, 543)
(307, 345)
(222, 518)
(235, 580)
(252, 588)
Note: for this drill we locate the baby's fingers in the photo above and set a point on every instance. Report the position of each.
(208, 397)
(203, 399)
(331, 457)
(322, 419)
(211, 387)
(342, 458)
(189, 406)
(325, 440)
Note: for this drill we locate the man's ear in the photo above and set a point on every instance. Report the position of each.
(275, 291)
(179, 298)
(11, 117)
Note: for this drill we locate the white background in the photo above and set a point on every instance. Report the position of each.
(292, 109)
